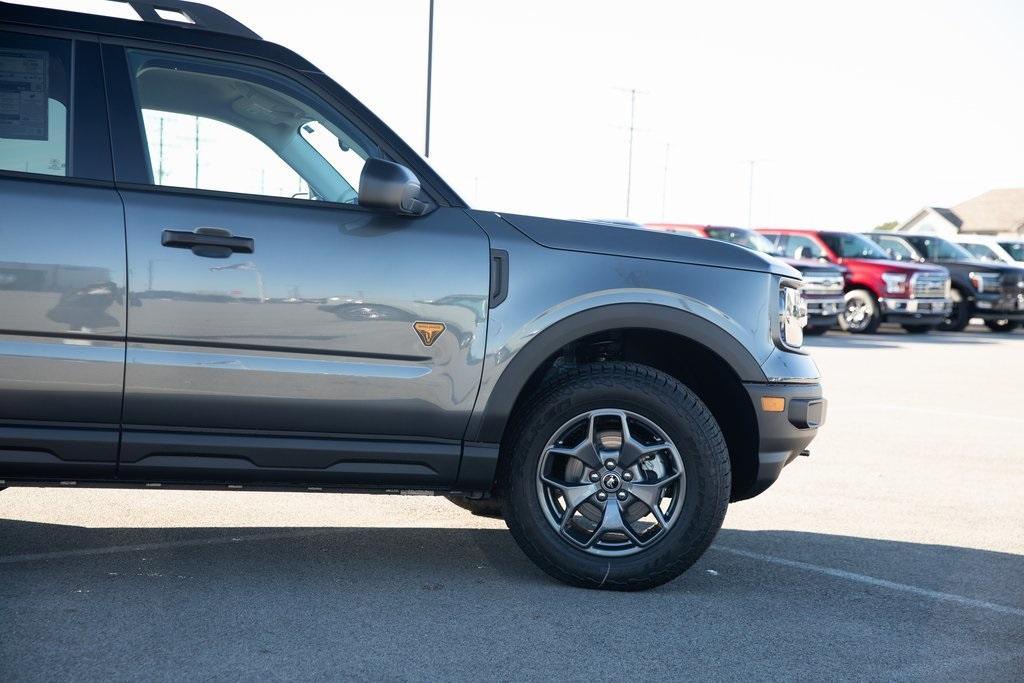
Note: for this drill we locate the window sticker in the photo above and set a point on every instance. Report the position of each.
(24, 90)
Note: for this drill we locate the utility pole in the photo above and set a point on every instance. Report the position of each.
(632, 130)
(196, 150)
(633, 92)
(160, 173)
(430, 72)
(750, 197)
(664, 180)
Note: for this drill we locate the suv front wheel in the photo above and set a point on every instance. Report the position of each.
(617, 476)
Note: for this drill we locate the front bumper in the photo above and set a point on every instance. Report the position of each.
(785, 434)
(823, 311)
(923, 311)
(999, 307)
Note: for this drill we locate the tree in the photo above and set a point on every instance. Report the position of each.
(888, 226)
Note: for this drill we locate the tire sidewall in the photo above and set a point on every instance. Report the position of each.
(959, 317)
(874, 319)
(702, 507)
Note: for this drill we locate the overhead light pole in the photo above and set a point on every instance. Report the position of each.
(430, 72)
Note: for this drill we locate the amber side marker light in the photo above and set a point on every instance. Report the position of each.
(773, 404)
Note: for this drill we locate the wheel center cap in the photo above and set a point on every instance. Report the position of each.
(611, 482)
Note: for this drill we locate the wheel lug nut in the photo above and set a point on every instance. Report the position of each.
(621, 495)
(594, 476)
(609, 463)
(628, 476)
(601, 495)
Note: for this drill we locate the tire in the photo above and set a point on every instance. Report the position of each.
(918, 329)
(815, 331)
(597, 396)
(960, 316)
(1002, 325)
(484, 507)
(860, 315)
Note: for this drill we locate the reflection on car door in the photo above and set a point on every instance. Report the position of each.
(62, 266)
(291, 353)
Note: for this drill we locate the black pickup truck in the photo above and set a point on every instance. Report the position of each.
(991, 291)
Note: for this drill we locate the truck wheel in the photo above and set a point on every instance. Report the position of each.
(484, 507)
(860, 315)
(958, 318)
(1002, 325)
(815, 331)
(616, 476)
(918, 329)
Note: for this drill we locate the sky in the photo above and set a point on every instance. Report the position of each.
(853, 113)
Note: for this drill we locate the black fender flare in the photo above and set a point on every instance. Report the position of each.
(693, 327)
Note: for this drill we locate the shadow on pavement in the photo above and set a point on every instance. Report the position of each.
(409, 603)
(396, 554)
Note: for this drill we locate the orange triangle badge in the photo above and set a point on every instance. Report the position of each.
(428, 332)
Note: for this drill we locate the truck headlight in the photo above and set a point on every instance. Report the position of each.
(895, 283)
(985, 282)
(792, 316)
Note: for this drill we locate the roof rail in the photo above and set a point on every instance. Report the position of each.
(193, 15)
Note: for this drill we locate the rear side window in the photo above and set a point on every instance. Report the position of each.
(34, 103)
(1014, 249)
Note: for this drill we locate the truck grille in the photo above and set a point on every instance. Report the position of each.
(1013, 283)
(930, 285)
(822, 283)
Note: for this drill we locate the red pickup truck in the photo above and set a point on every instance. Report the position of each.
(822, 282)
(878, 289)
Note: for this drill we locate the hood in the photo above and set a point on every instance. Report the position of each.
(898, 266)
(805, 266)
(983, 266)
(619, 240)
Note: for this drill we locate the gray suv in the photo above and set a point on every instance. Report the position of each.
(220, 270)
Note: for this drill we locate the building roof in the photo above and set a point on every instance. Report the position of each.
(993, 212)
(949, 215)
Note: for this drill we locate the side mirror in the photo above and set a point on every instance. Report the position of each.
(387, 185)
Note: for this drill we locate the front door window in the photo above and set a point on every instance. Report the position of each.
(232, 128)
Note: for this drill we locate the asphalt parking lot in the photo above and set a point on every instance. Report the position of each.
(895, 550)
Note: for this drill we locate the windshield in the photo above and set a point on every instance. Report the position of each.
(1015, 249)
(980, 251)
(744, 238)
(938, 249)
(852, 245)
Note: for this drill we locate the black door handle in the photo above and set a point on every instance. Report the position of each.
(208, 242)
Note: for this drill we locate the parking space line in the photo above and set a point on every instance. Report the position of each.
(873, 581)
(141, 547)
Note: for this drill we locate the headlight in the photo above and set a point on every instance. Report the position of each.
(792, 316)
(985, 282)
(895, 283)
